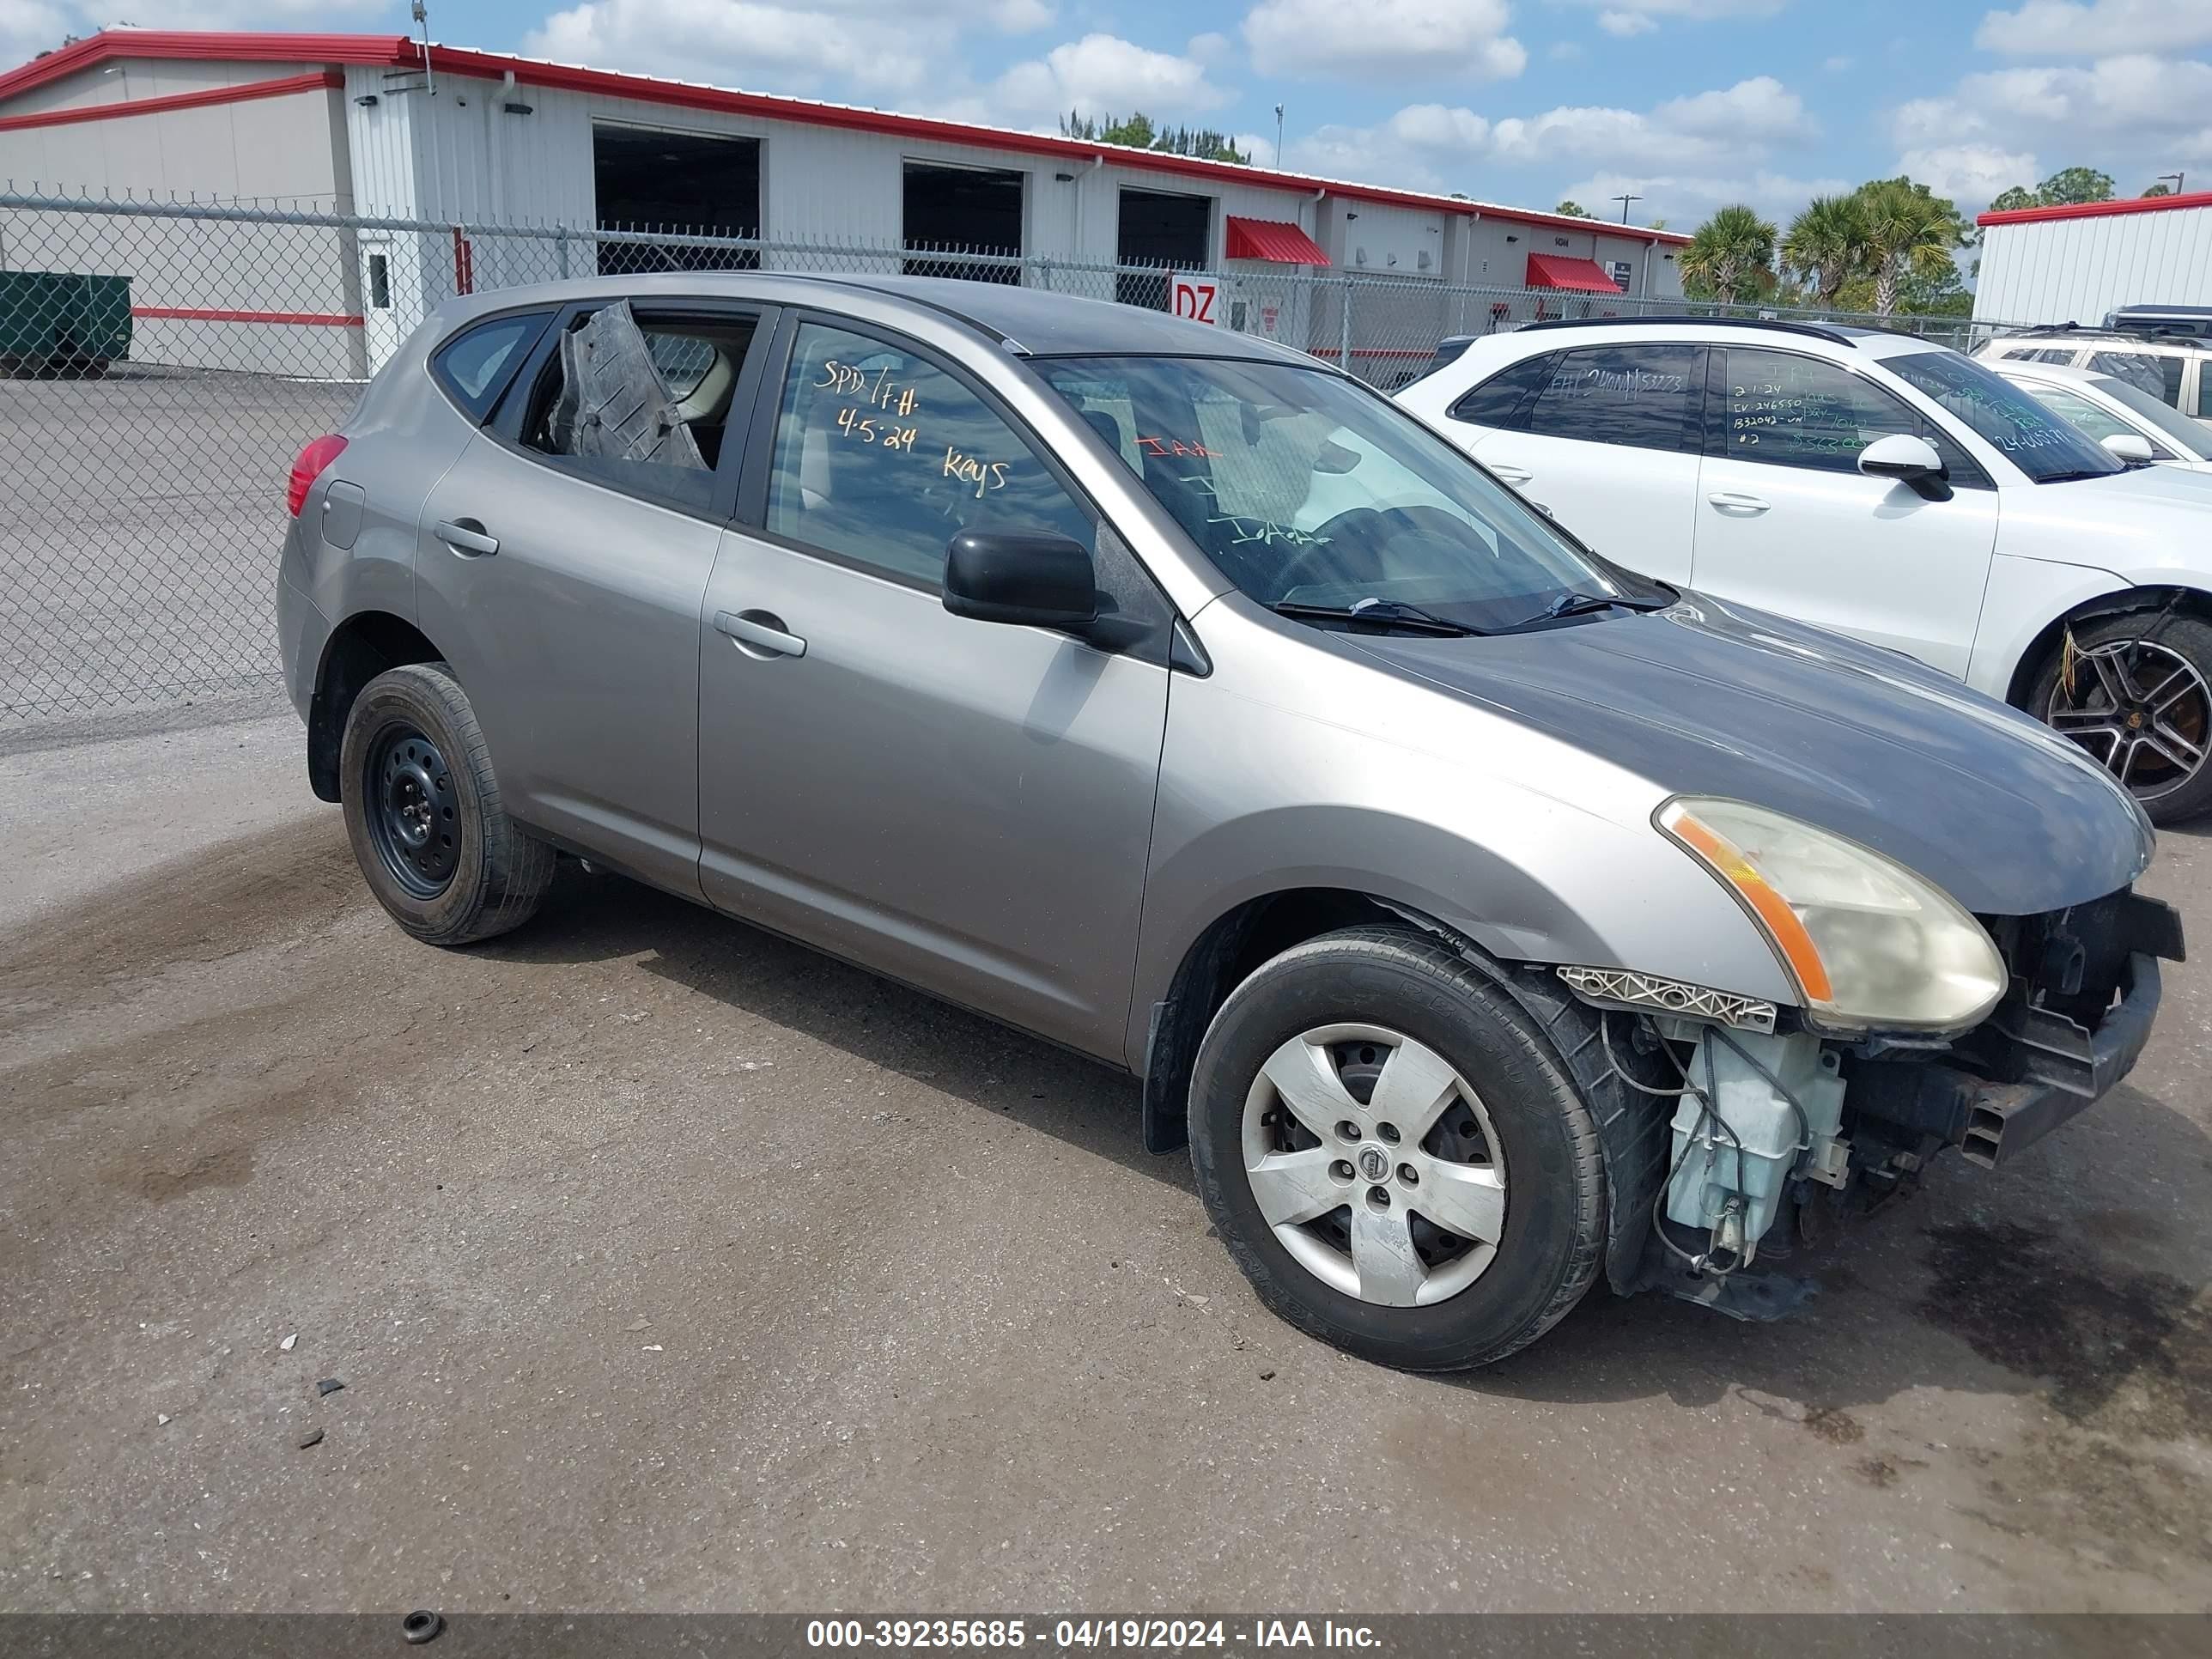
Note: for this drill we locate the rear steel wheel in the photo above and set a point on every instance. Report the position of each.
(1376, 1164)
(411, 802)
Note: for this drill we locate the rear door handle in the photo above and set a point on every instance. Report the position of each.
(1733, 500)
(764, 634)
(466, 537)
(1513, 475)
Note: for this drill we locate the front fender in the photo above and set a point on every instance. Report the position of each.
(1445, 817)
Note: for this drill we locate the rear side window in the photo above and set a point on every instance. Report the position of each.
(1646, 396)
(2157, 373)
(475, 365)
(1503, 399)
(640, 401)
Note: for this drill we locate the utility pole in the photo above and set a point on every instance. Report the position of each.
(1624, 200)
(1278, 137)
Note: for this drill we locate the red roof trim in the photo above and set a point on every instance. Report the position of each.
(398, 51)
(1275, 239)
(2097, 209)
(1576, 275)
(318, 80)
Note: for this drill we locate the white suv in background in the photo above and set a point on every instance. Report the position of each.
(1881, 486)
(2174, 368)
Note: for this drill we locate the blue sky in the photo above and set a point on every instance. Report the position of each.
(1688, 103)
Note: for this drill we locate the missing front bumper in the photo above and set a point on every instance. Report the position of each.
(2069, 1068)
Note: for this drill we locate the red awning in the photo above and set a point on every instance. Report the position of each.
(1277, 240)
(1583, 275)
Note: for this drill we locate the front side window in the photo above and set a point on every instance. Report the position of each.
(2046, 448)
(1305, 488)
(2158, 372)
(2191, 437)
(2073, 408)
(881, 457)
(1787, 411)
(1647, 397)
(640, 401)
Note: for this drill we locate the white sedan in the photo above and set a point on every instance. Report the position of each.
(2127, 419)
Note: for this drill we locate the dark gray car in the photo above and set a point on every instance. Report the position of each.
(1488, 916)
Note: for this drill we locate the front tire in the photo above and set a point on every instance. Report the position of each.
(2138, 699)
(1395, 1154)
(425, 816)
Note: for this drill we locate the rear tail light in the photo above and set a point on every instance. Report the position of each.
(313, 461)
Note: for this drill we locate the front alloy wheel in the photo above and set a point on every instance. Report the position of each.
(1395, 1153)
(1376, 1164)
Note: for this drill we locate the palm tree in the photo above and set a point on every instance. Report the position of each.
(1731, 258)
(1829, 243)
(1905, 226)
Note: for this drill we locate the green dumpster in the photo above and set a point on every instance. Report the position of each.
(61, 323)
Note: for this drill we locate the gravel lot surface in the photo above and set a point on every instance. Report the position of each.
(667, 1265)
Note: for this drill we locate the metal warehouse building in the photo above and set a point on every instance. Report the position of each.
(388, 127)
(2076, 264)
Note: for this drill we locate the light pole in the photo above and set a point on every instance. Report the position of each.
(1278, 135)
(1624, 200)
(2176, 177)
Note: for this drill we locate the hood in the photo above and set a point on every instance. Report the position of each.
(1706, 698)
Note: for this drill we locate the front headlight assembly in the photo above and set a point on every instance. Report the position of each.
(1870, 944)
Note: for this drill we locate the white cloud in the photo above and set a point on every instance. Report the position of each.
(1970, 174)
(2133, 116)
(1565, 51)
(1455, 39)
(1104, 74)
(2063, 28)
(1686, 199)
(784, 48)
(1435, 146)
(1839, 63)
(1631, 17)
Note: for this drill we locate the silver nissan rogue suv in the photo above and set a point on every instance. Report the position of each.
(1489, 917)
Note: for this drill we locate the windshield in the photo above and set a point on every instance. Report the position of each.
(2192, 437)
(2045, 447)
(1306, 488)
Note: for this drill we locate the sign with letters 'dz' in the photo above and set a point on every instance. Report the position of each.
(1198, 298)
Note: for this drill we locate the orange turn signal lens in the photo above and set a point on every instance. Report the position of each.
(1728, 861)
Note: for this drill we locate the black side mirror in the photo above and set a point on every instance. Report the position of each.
(1020, 576)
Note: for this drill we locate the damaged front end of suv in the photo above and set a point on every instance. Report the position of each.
(1922, 1028)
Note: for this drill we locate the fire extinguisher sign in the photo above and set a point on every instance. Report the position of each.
(1198, 298)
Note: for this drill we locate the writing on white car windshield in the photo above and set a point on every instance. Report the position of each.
(1322, 500)
(2043, 446)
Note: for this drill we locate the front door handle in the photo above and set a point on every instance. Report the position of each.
(1512, 475)
(1734, 501)
(762, 632)
(466, 537)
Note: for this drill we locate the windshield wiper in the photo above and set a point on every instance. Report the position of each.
(1571, 604)
(1382, 613)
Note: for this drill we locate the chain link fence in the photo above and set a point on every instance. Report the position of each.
(165, 363)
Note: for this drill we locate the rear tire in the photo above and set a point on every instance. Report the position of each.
(2154, 671)
(1513, 1148)
(424, 811)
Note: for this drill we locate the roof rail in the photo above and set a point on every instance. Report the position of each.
(1817, 331)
